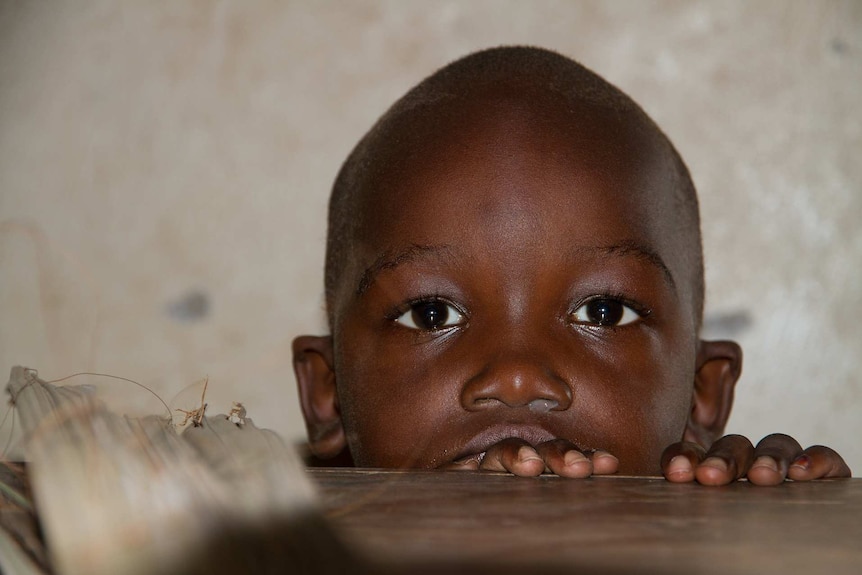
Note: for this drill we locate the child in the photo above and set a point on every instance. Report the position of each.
(514, 282)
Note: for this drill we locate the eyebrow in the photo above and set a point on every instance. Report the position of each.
(634, 249)
(390, 260)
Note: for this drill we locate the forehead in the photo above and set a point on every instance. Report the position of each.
(511, 169)
(518, 139)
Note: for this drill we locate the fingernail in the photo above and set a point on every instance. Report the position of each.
(765, 461)
(466, 464)
(802, 462)
(527, 453)
(604, 455)
(715, 463)
(679, 464)
(572, 457)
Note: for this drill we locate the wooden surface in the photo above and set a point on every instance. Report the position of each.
(469, 522)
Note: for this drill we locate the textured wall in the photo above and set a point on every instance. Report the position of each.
(164, 169)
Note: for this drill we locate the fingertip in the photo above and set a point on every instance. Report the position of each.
(693, 452)
(679, 470)
(574, 457)
(604, 463)
(527, 453)
(802, 463)
(467, 465)
(818, 462)
(575, 465)
(527, 463)
(800, 469)
(670, 453)
(765, 472)
(714, 472)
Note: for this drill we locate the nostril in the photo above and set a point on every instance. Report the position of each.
(514, 382)
(543, 405)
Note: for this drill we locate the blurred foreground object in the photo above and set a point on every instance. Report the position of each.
(121, 495)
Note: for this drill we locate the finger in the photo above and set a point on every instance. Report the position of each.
(679, 460)
(727, 460)
(565, 459)
(604, 463)
(818, 462)
(515, 456)
(772, 457)
(467, 464)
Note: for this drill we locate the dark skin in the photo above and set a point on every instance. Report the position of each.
(518, 299)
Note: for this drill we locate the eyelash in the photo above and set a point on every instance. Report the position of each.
(641, 310)
(409, 306)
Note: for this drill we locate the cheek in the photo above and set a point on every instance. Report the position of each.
(641, 406)
(394, 406)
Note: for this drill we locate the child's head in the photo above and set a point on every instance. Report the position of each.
(514, 251)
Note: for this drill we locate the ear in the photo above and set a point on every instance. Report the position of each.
(315, 378)
(719, 364)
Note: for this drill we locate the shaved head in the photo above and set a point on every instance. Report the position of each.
(550, 92)
(513, 258)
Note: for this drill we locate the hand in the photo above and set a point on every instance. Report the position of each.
(777, 457)
(557, 456)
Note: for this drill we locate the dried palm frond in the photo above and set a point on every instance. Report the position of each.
(120, 495)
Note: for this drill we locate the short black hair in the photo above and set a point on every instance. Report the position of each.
(544, 70)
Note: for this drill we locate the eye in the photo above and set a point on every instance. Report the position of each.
(605, 312)
(431, 315)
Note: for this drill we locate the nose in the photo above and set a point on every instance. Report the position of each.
(516, 381)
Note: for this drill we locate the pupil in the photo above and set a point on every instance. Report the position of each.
(430, 315)
(605, 311)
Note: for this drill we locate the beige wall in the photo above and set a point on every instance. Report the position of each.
(164, 170)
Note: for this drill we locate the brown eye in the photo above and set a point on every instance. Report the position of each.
(430, 316)
(605, 312)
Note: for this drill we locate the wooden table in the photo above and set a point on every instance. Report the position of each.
(469, 522)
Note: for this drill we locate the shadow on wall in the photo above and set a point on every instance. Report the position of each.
(726, 325)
